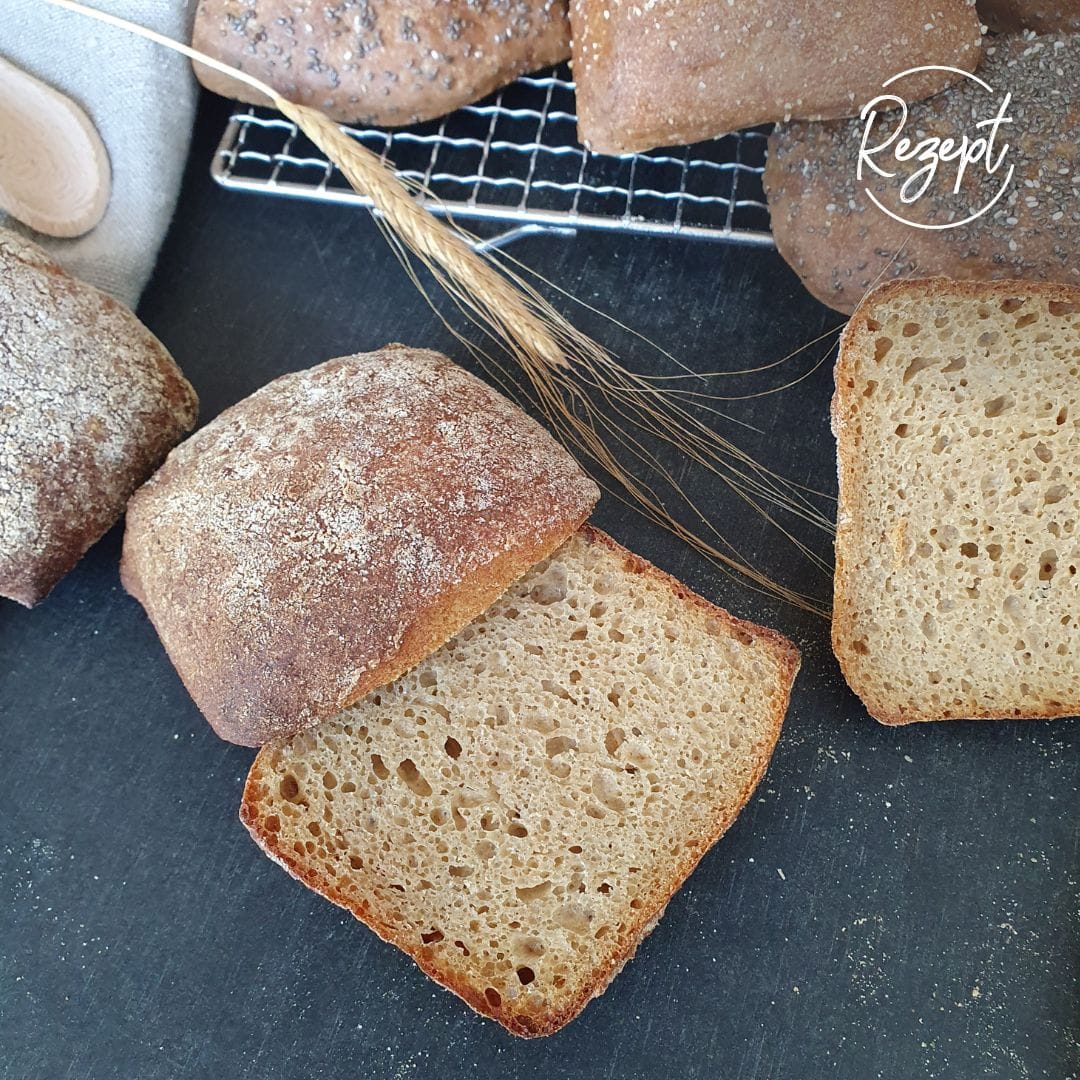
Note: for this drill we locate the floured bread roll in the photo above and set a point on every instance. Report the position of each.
(90, 403)
(387, 62)
(323, 535)
(679, 71)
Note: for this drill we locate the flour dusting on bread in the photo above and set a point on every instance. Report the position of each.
(516, 812)
(323, 534)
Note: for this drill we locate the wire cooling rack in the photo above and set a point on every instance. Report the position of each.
(514, 158)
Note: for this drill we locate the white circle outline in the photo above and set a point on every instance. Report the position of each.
(978, 213)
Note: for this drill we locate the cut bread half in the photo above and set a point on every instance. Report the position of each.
(318, 538)
(957, 418)
(516, 811)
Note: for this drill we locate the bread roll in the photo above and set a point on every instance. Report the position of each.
(323, 535)
(1042, 16)
(55, 175)
(386, 62)
(678, 71)
(90, 403)
(840, 244)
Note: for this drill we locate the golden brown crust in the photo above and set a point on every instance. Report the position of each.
(841, 244)
(382, 62)
(90, 402)
(645, 917)
(854, 342)
(326, 533)
(679, 71)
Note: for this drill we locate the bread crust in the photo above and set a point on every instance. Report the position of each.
(624, 947)
(90, 403)
(389, 63)
(853, 342)
(679, 71)
(841, 244)
(325, 534)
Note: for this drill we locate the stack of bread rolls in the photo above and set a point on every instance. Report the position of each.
(678, 71)
(672, 71)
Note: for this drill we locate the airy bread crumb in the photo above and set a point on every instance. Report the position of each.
(516, 812)
(957, 416)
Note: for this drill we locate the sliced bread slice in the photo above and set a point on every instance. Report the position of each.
(516, 811)
(957, 418)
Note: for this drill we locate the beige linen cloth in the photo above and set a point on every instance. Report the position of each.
(142, 99)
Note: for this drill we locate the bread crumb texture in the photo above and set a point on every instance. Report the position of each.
(90, 402)
(516, 812)
(957, 415)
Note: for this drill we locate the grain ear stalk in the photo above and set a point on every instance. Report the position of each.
(618, 418)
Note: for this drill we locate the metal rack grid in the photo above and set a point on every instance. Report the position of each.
(514, 158)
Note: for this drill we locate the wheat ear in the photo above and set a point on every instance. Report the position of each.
(562, 363)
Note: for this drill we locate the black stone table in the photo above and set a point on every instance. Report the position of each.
(894, 903)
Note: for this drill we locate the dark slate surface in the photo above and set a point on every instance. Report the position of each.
(893, 903)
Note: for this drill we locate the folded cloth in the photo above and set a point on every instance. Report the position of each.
(142, 99)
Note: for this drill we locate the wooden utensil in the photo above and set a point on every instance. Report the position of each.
(54, 169)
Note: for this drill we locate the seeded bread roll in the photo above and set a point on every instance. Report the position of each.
(957, 418)
(386, 62)
(1042, 16)
(517, 811)
(90, 403)
(840, 244)
(323, 535)
(679, 71)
